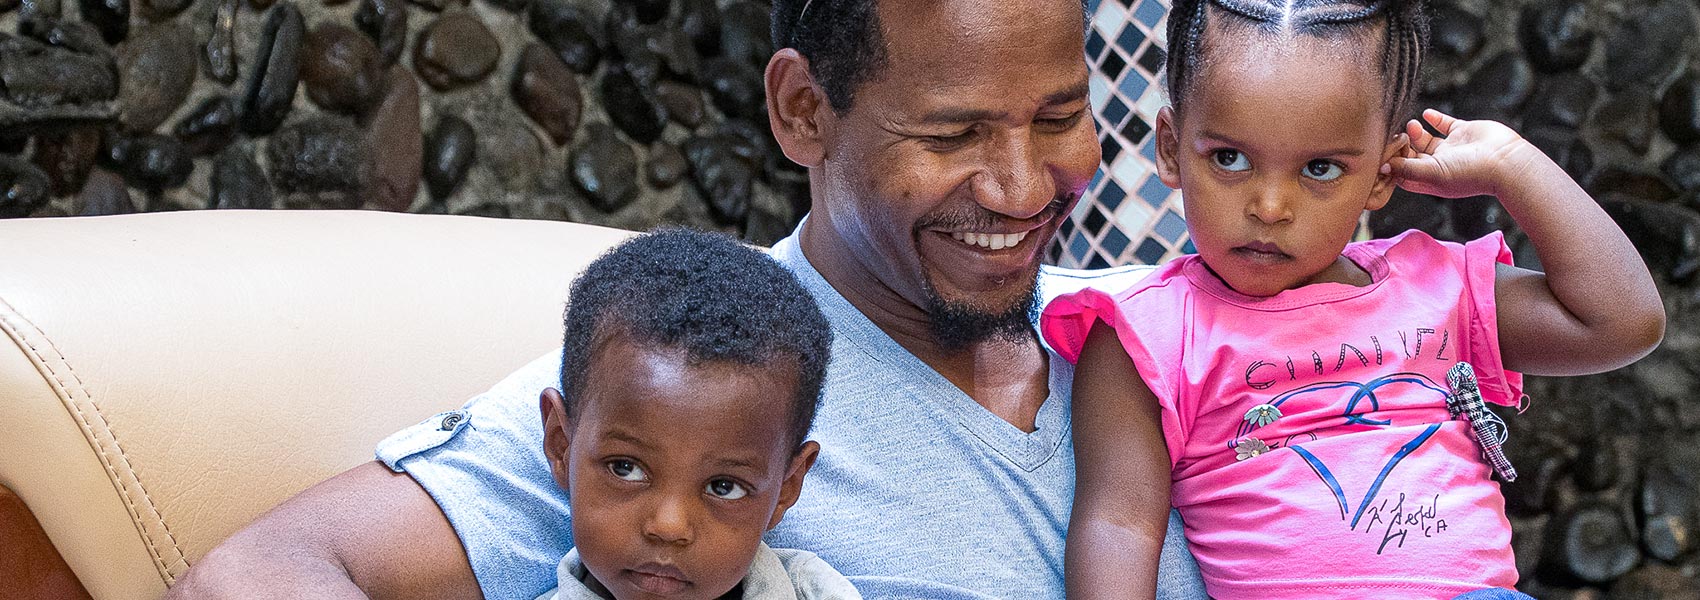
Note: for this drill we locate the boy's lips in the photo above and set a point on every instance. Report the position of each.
(658, 579)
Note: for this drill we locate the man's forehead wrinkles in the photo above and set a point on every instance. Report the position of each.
(949, 114)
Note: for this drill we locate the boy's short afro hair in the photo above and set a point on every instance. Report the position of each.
(706, 294)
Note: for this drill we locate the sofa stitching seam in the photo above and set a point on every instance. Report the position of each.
(108, 462)
(147, 498)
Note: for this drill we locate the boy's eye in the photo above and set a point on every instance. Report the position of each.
(1322, 170)
(726, 489)
(627, 470)
(1231, 160)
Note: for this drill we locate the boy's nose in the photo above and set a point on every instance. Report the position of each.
(669, 523)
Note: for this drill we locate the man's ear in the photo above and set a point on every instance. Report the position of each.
(1168, 148)
(1385, 183)
(557, 435)
(792, 488)
(795, 108)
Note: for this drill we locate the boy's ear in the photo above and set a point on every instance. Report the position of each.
(1382, 191)
(796, 107)
(1168, 148)
(557, 435)
(792, 488)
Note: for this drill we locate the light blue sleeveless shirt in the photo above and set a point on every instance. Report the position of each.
(919, 492)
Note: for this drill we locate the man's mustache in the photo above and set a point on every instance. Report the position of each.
(979, 218)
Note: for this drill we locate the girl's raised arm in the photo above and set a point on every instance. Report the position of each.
(1596, 307)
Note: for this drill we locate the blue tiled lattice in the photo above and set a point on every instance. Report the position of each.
(1127, 215)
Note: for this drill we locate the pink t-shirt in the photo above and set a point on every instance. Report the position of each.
(1369, 489)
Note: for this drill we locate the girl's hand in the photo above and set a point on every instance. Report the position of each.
(1471, 159)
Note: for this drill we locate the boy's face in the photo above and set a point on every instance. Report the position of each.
(674, 470)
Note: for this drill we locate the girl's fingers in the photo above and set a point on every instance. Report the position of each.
(1407, 170)
(1442, 122)
(1421, 141)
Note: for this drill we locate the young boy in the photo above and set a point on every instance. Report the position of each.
(689, 377)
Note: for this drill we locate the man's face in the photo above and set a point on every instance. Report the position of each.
(676, 470)
(959, 159)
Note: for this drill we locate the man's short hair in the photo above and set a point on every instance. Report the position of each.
(706, 294)
(841, 39)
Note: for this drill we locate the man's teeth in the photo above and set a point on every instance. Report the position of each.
(990, 241)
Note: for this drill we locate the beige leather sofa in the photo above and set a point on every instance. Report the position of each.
(165, 378)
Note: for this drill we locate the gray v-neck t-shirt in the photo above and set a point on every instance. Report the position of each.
(919, 491)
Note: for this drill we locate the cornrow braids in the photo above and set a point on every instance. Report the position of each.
(1404, 42)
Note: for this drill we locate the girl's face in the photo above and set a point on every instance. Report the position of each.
(1277, 150)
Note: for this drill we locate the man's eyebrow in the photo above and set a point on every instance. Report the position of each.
(961, 115)
(971, 115)
(1073, 93)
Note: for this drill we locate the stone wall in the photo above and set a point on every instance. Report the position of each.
(640, 112)
(628, 114)
(1609, 493)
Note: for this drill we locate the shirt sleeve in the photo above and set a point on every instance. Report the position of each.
(484, 466)
(1482, 258)
(1151, 332)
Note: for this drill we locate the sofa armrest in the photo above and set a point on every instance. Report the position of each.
(170, 376)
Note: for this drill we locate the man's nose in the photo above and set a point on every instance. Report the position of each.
(1273, 203)
(670, 522)
(1014, 179)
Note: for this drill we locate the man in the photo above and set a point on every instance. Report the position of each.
(946, 141)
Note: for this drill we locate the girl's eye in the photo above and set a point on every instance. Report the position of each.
(1231, 160)
(1322, 170)
(726, 489)
(627, 470)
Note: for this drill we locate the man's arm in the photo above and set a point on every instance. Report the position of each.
(367, 532)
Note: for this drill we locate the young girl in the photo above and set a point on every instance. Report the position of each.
(1293, 386)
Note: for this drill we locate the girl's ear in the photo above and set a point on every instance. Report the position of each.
(1385, 183)
(1168, 148)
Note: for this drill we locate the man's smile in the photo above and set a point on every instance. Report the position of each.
(995, 250)
(990, 241)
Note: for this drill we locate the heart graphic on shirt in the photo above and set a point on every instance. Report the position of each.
(1362, 393)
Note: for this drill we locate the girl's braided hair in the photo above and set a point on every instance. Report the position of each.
(1403, 44)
